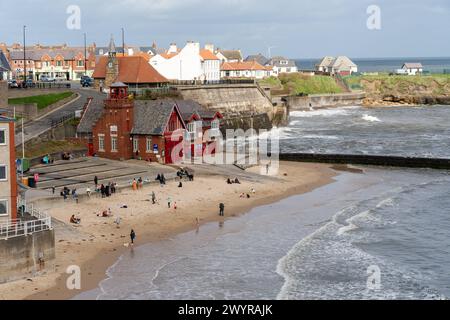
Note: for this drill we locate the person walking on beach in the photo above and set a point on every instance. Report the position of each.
(88, 192)
(222, 209)
(96, 182)
(117, 222)
(132, 236)
(134, 185)
(169, 202)
(153, 197)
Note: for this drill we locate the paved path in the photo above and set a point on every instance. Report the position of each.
(35, 128)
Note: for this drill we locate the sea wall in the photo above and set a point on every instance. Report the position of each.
(324, 101)
(386, 161)
(19, 256)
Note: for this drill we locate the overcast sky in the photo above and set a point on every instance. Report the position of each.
(295, 28)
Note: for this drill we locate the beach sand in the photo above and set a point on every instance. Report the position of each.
(96, 243)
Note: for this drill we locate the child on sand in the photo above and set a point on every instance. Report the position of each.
(132, 236)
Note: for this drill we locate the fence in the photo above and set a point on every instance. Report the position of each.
(211, 82)
(57, 122)
(52, 85)
(36, 222)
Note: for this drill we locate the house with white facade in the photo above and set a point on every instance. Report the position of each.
(187, 64)
(341, 65)
(5, 68)
(229, 55)
(411, 69)
(282, 65)
(248, 69)
(8, 183)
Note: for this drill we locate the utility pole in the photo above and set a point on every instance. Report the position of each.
(24, 59)
(123, 42)
(23, 146)
(85, 55)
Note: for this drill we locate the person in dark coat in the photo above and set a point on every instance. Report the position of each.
(96, 181)
(222, 209)
(132, 236)
(102, 190)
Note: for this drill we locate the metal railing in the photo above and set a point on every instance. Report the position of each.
(38, 222)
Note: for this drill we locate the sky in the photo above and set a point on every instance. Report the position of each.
(293, 28)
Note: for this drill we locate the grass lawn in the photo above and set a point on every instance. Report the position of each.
(296, 83)
(438, 83)
(42, 101)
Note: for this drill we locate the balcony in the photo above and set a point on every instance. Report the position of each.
(118, 103)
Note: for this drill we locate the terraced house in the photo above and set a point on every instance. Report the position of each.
(58, 62)
(8, 184)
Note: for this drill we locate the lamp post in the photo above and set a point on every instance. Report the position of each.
(24, 58)
(123, 42)
(85, 55)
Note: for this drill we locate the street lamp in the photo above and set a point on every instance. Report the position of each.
(24, 58)
(85, 55)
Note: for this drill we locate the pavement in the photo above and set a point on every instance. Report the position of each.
(39, 126)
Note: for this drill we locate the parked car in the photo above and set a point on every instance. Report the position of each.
(13, 84)
(29, 83)
(60, 78)
(86, 81)
(47, 79)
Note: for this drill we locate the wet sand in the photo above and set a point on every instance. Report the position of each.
(96, 243)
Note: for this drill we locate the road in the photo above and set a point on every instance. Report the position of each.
(35, 128)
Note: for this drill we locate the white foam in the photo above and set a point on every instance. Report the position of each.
(319, 113)
(369, 118)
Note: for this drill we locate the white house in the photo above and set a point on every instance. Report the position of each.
(189, 63)
(341, 65)
(246, 69)
(411, 69)
(229, 55)
(283, 65)
(5, 68)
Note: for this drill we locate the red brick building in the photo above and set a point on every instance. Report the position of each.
(143, 130)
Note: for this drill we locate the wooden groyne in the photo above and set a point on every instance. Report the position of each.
(386, 161)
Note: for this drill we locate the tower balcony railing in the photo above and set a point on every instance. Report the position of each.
(118, 103)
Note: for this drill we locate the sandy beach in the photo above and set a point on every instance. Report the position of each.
(96, 243)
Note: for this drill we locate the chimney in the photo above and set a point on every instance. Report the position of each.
(173, 48)
(209, 47)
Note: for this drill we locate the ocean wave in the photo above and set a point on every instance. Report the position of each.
(369, 118)
(319, 113)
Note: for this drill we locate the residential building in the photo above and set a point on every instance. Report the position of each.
(249, 69)
(5, 68)
(8, 182)
(229, 55)
(188, 64)
(282, 65)
(134, 71)
(62, 62)
(411, 69)
(262, 60)
(202, 127)
(341, 65)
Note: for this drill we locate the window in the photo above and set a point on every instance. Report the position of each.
(2, 136)
(59, 63)
(113, 144)
(135, 144)
(101, 143)
(215, 124)
(3, 176)
(80, 63)
(3, 207)
(191, 127)
(149, 145)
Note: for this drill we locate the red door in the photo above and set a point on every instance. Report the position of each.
(90, 149)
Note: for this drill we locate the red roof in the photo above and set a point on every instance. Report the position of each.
(132, 69)
(238, 66)
(208, 55)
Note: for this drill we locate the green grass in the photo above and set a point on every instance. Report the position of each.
(42, 101)
(384, 84)
(296, 83)
(49, 147)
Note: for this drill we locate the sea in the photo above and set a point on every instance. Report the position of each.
(379, 234)
(432, 65)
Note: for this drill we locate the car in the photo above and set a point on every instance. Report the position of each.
(47, 79)
(86, 81)
(13, 84)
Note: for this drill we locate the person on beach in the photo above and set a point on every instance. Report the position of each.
(237, 181)
(75, 220)
(88, 192)
(102, 190)
(169, 202)
(140, 183)
(153, 197)
(163, 179)
(134, 185)
(180, 185)
(229, 181)
(221, 209)
(96, 181)
(53, 190)
(132, 236)
(117, 222)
